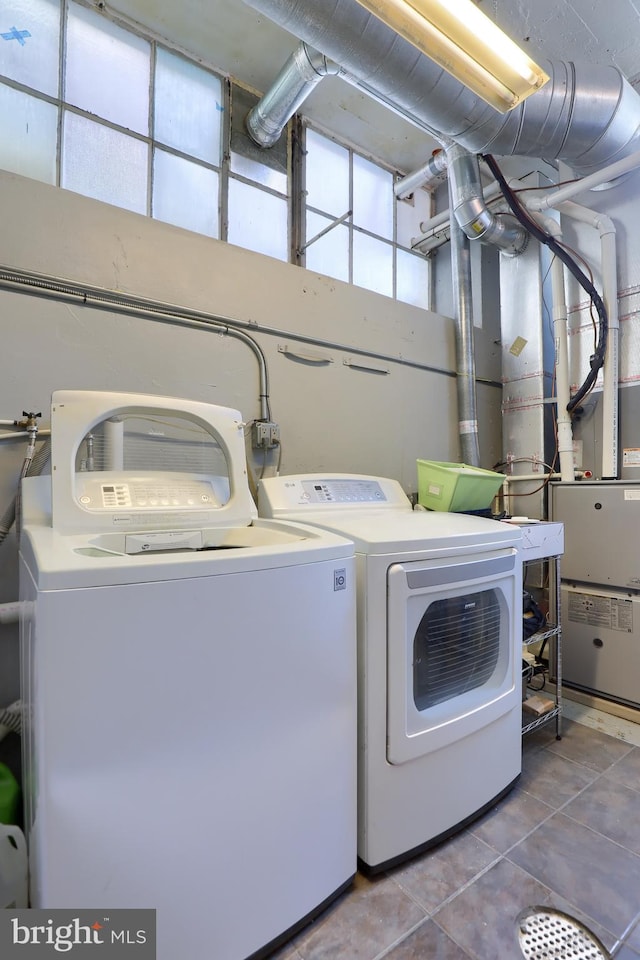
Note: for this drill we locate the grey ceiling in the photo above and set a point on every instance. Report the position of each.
(232, 37)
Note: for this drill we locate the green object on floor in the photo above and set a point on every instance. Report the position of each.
(9, 796)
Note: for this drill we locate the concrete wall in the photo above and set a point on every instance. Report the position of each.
(398, 404)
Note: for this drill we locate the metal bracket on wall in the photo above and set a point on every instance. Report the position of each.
(367, 367)
(305, 356)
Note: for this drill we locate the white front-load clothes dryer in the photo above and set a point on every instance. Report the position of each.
(439, 657)
(189, 678)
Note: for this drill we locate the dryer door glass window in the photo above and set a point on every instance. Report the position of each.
(456, 647)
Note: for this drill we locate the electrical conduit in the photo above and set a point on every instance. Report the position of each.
(465, 356)
(561, 338)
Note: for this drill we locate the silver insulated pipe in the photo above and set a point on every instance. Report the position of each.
(587, 115)
(303, 70)
(465, 358)
(470, 209)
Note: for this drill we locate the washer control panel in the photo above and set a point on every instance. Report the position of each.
(96, 493)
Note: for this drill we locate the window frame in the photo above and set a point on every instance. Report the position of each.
(294, 146)
(353, 228)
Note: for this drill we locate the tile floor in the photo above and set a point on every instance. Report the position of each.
(567, 836)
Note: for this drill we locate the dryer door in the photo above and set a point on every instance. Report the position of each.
(452, 642)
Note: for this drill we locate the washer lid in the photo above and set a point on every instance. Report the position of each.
(138, 462)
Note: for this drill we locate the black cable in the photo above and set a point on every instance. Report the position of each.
(596, 361)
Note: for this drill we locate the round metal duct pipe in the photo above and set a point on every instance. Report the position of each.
(587, 115)
(303, 70)
(472, 213)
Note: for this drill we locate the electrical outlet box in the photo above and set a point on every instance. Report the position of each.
(265, 434)
(275, 435)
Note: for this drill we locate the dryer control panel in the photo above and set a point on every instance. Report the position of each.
(297, 495)
(343, 491)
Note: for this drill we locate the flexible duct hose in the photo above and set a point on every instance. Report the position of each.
(31, 467)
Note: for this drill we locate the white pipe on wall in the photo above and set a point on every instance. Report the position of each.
(561, 359)
(561, 339)
(596, 179)
(527, 477)
(563, 392)
(441, 219)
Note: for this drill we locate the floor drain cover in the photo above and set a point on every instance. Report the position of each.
(546, 934)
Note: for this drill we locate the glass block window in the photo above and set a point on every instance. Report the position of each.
(93, 159)
(257, 220)
(30, 47)
(187, 107)
(412, 279)
(328, 192)
(372, 264)
(372, 198)
(107, 70)
(355, 229)
(132, 123)
(185, 193)
(30, 130)
(258, 186)
(91, 104)
(329, 254)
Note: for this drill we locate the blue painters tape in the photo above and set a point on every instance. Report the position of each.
(15, 34)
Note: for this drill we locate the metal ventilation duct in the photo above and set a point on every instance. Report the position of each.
(470, 209)
(304, 69)
(587, 115)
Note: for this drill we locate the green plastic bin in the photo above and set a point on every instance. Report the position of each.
(456, 487)
(9, 796)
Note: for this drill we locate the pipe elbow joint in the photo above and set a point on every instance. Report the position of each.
(478, 223)
(304, 69)
(507, 234)
(473, 218)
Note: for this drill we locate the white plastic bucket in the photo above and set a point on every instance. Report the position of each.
(13, 867)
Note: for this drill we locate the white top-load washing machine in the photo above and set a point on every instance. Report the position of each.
(189, 673)
(439, 657)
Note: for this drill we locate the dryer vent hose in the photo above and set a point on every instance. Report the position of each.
(11, 717)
